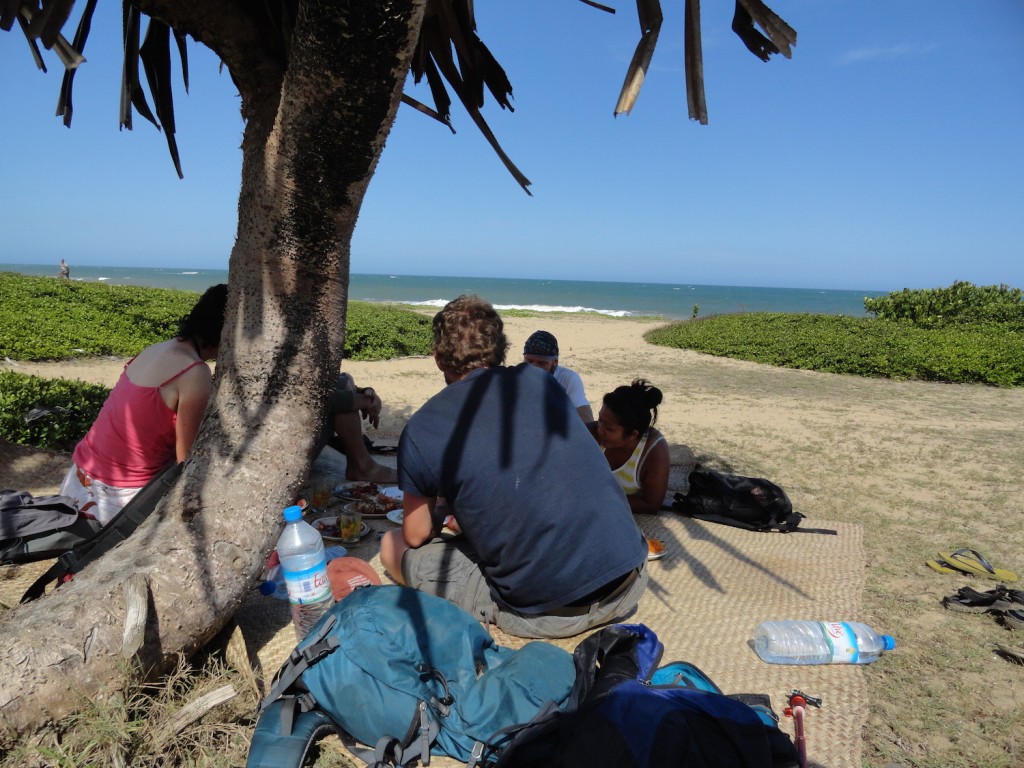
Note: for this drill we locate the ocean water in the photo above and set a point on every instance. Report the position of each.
(669, 300)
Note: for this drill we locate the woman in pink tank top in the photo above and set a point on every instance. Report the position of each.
(152, 415)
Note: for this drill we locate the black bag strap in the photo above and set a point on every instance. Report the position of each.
(270, 748)
(299, 660)
(405, 752)
(113, 533)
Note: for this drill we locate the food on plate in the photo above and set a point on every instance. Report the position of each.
(328, 527)
(655, 548)
(369, 499)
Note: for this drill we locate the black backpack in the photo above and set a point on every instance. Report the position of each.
(40, 527)
(744, 502)
(51, 526)
(629, 710)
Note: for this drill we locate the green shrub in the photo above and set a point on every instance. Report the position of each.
(383, 331)
(961, 303)
(44, 318)
(989, 353)
(47, 413)
(48, 319)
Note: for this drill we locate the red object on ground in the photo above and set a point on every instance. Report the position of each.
(349, 573)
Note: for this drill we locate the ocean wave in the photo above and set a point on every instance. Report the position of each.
(531, 308)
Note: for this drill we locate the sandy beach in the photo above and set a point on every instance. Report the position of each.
(919, 467)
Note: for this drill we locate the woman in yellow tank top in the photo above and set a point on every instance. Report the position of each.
(636, 452)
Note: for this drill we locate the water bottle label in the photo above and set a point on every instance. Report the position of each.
(308, 586)
(843, 642)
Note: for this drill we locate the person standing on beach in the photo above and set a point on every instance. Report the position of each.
(65, 270)
(152, 415)
(547, 547)
(541, 351)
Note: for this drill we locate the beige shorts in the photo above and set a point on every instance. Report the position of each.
(447, 567)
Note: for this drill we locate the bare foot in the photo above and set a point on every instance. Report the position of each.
(372, 472)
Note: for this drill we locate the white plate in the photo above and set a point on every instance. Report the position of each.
(396, 516)
(655, 548)
(330, 523)
(347, 490)
(393, 492)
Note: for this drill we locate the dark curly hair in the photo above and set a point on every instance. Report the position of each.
(635, 406)
(205, 322)
(468, 334)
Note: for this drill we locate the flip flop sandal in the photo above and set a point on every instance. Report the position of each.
(943, 567)
(1014, 619)
(973, 562)
(968, 600)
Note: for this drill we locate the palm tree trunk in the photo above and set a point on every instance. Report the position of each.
(311, 144)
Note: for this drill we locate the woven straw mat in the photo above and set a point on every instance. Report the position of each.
(705, 596)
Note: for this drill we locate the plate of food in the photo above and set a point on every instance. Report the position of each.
(327, 527)
(655, 548)
(396, 516)
(370, 499)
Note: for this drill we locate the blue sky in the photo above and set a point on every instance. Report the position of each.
(887, 153)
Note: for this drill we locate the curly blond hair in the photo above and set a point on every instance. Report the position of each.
(468, 334)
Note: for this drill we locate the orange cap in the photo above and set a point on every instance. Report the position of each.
(349, 573)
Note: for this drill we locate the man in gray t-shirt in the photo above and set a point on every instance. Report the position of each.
(548, 547)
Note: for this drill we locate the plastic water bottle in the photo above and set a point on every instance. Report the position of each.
(301, 550)
(272, 583)
(819, 642)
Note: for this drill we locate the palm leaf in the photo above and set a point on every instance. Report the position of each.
(449, 53)
(156, 60)
(64, 103)
(448, 25)
(131, 88)
(649, 15)
(47, 23)
(419, 106)
(41, 25)
(694, 64)
(781, 36)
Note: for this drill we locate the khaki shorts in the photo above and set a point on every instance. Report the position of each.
(447, 567)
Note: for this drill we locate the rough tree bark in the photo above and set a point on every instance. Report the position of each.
(313, 135)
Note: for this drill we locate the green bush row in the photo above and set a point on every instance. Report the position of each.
(989, 353)
(45, 318)
(47, 413)
(959, 304)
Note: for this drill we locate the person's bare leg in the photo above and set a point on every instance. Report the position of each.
(392, 550)
(359, 464)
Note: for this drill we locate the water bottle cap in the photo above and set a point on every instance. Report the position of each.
(888, 642)
(291, 514)
(267, 588)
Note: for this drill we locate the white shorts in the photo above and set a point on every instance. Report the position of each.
(95, 498)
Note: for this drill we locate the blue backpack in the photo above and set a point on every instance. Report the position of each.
(627, 711)
(409, 675)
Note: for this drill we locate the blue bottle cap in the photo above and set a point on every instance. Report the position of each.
(268, 588)
(291, 514)
(888, 642)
